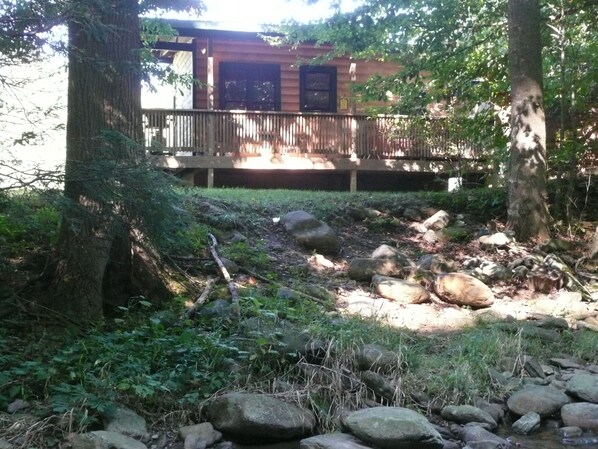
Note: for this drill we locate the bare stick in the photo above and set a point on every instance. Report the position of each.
(231, 285)
(201, 298)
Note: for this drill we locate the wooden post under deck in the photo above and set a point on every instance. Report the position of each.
(353, 181)
(210, 182)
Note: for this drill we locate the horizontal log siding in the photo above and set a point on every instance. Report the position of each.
(263, 133)
(254, 51)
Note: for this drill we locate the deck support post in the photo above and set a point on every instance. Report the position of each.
(353, 181)
(210, 183)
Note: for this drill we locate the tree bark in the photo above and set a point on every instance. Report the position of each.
(103, 124)
(528, 213)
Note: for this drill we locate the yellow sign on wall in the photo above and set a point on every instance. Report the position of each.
(343, 104)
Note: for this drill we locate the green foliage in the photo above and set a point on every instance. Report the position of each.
(27, 221)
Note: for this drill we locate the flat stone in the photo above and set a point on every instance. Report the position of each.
(374, 357)
(464, 414)
(584, 386)
(399, 290)
(259, 417)
(127, 422)
(540, 399)
(332, 441)
(477, 437)
(102, 439)
(580, 414)
(527, 423)
(393, 428)
(565, 363)
(363, 268)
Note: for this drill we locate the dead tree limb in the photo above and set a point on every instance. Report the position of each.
(201, 298)
(231, 285)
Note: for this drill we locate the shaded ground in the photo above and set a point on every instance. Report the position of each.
(514, 297)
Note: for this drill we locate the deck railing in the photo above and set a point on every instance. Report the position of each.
(247, 133)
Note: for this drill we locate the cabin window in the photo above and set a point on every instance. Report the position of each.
(318, 88)
(251, 87)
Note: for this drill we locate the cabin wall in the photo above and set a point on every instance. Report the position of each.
(257, 51)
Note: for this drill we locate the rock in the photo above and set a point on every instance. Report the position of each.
(565, 363)
(399, 290)
(287, 338)
(362, 269)
(580, 414)
(393, 428)
(318, 260)
(389, 252)
(570, 432)
(492, 271)
(430, 236)
(464, 290)
(102, 439)
(555, 245)
(378, 384)
(332, 441)
(362, 213)
(17, 405)
(311, 233)
(412, 214)
(455, 233)
(497, 411)
(437, 221)
(127, 422)
(203, 433)
(527, 423)
(5, 444)
(540, 399)
(496, 240)
(533, 367)
(476, 437)
(218, 309)
(373, 357)
(464, 414)
(436, 263)
(259, 417)
(584, 386)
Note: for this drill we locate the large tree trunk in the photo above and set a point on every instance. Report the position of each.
(103, 124)
(528, 213)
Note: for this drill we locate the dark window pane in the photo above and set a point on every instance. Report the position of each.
(317, 100)
(264, 91)
(317, 81)
(235, 90)
(249, 86)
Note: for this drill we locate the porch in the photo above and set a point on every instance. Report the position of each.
(188, 141)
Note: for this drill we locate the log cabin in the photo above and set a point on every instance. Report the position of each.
(267, 115)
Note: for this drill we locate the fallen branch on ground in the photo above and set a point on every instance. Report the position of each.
(201, 298)
(231, 285)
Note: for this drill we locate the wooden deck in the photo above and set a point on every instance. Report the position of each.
(187, 140)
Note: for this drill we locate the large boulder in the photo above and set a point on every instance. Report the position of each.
(311, 233)
(393, 428)
(580, 414)
(362, 268)
(536, 398)
(464, 290)
(584, 386)
(257, 417)
(399, 290)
